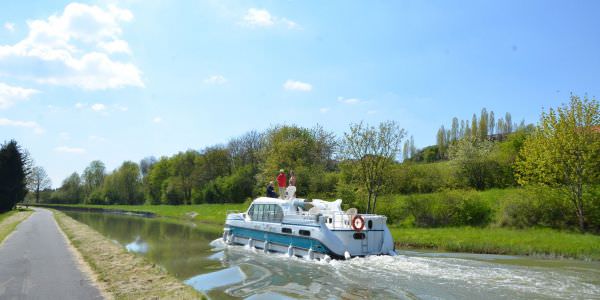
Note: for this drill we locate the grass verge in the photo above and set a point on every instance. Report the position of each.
(201, 213)
(534, 242)
(125, 275)
(10, 220)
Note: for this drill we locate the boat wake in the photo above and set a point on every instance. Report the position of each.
(403, 276)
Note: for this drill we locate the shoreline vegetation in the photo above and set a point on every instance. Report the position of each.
(124, 275)
(535, 242)
(10, 220)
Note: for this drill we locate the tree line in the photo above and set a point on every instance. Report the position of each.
(562, 152)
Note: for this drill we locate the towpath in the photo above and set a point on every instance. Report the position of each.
(36, 263)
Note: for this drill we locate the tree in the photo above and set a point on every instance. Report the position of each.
(492, 123)
(454, 130)
(413, 149)
(564, 152)
(93, 176)
(508, 125)
(373, 150)
(124, 185)
(406, 151)
(71, 190)
(500, 125)
(483, 125)
(38, 181)
(441, 142)
(474, 131)
(473, 162)
(146, 164)
(13, 175)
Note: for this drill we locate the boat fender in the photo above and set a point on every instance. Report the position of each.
(230, 239)
(347, 255)
(358, 223)
(290, 251)
(266, 247)
(310, 253)
(250, 243)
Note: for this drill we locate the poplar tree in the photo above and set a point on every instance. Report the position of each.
(474, 133)
(483, 125)
(491, 123)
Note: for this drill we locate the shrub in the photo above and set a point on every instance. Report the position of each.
(535, 206)
(448, 208)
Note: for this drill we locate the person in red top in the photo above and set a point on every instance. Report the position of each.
(281, 181)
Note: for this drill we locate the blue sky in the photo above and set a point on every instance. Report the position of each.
(119, 81)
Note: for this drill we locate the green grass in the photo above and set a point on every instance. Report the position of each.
(6, 215)
(7, 228)
(205, 213)
(537, 242)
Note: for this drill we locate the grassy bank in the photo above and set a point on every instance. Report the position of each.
(535, 242)
(125, 275)
(202, 213)
(10, 220)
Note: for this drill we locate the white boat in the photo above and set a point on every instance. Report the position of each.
(317, 229)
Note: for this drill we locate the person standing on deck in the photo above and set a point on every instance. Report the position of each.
(292, 178)
(281, 181)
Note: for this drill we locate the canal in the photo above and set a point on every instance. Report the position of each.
(198, 258)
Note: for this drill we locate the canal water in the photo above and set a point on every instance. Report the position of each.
(200, 259)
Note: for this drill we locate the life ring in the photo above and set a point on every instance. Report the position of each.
(358, 223)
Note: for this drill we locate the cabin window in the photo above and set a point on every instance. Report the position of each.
(329, 220)
(370, 224)
(286, 230)
(304, 232)
(266, 213)
(359, 236)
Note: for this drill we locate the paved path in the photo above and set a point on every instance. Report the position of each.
(35, 263)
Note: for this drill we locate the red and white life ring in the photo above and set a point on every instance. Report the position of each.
(358, 223)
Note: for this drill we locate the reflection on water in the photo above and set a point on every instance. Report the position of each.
(201, 260)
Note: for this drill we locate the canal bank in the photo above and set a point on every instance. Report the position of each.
(125, 275)
(200, 259)
(535, 242)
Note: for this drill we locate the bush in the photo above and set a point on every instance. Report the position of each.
(409, 178)
(448, 208)
(536, 206)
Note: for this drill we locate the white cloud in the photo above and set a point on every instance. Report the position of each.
(80, 105)
(371, 112)
(259, 17)
(292, 85)
(37, 129)
(116, 46)
(157, 120)
(121, 107)
(97, 139)
(9, 94)
(67, 149)
(255, 17)
(324, 110)
(349, 101)
(98, 107)
(215, 80)
(73, 49)
(9, 26)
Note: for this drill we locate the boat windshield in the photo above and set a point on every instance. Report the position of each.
(266, 213)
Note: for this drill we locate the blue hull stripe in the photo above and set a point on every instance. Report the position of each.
(282, 239)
